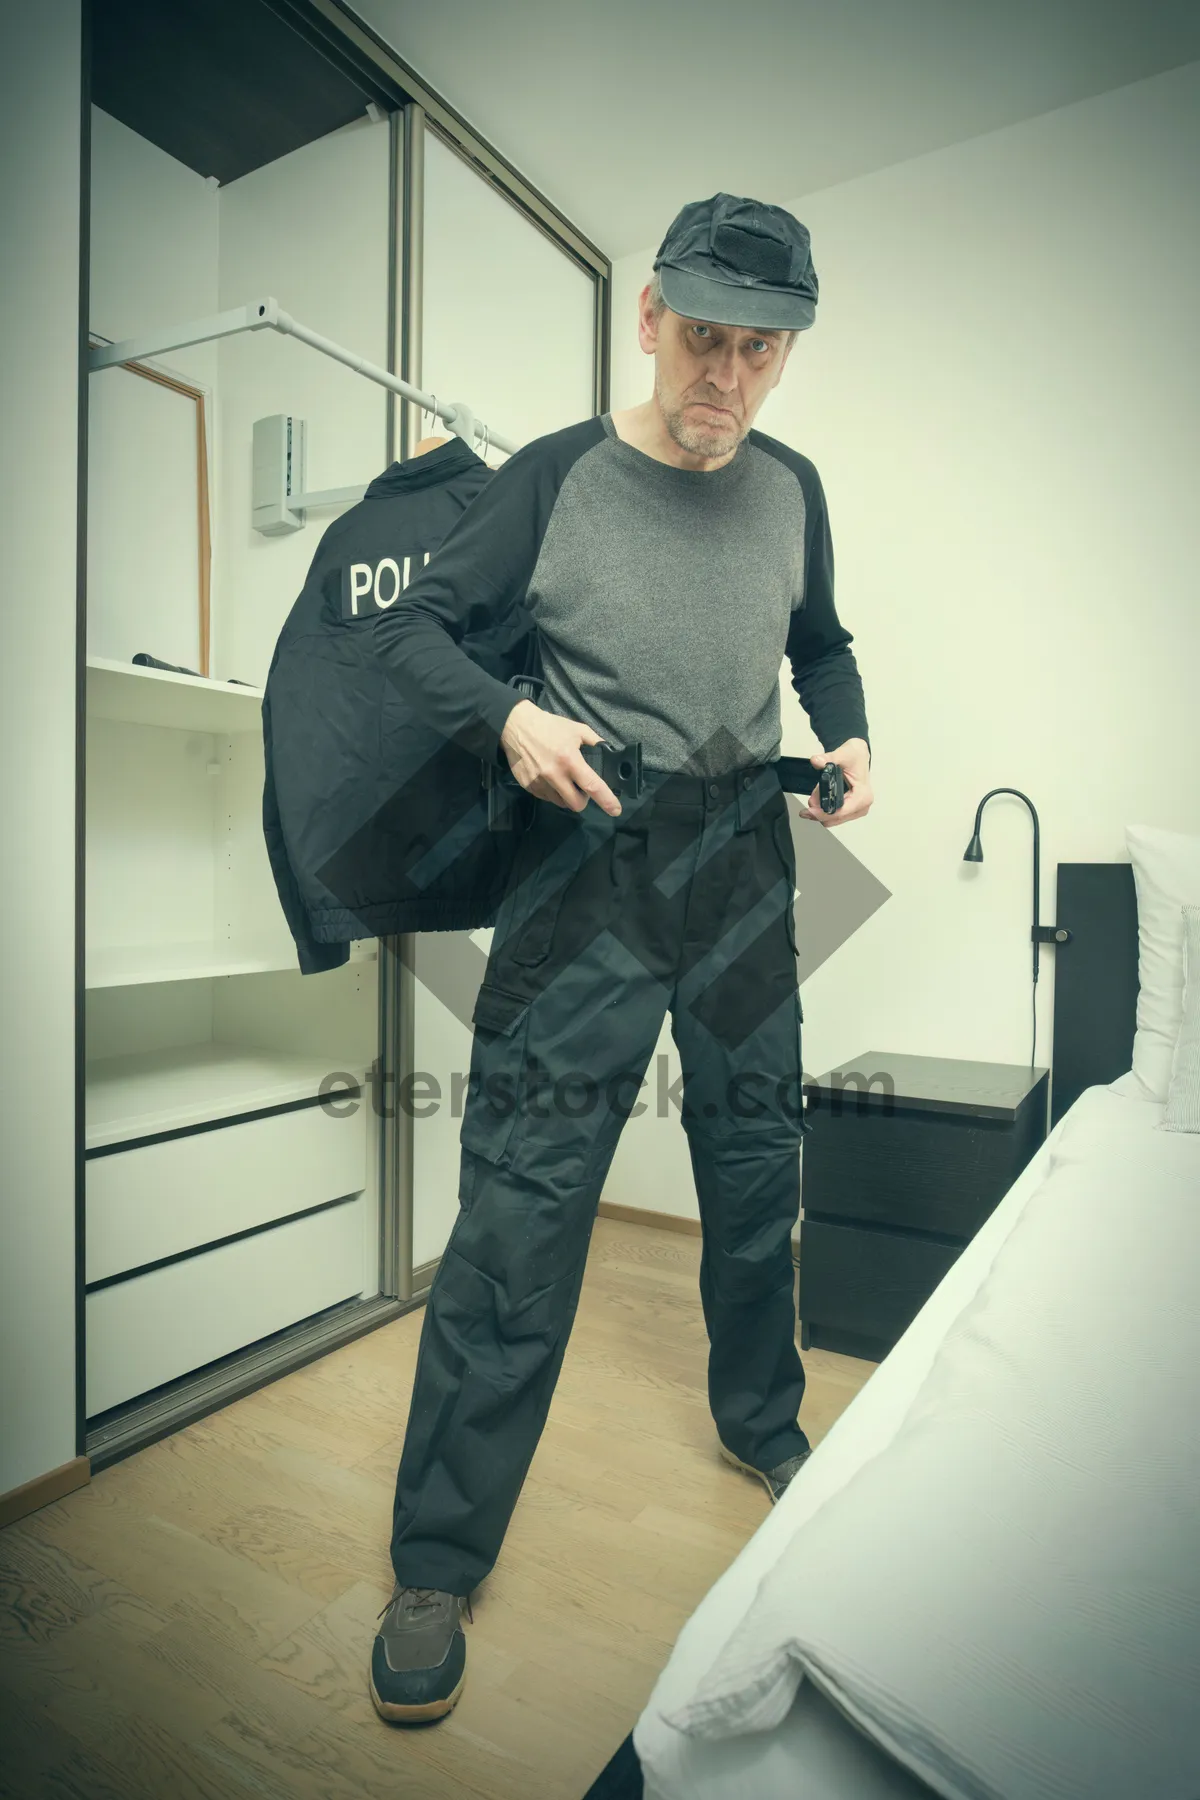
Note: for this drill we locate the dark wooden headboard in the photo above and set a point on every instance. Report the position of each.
(1095, 979)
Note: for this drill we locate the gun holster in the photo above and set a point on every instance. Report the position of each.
(510, 807)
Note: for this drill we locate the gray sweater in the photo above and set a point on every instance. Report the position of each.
(665, 601)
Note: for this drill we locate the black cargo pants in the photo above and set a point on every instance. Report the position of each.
(684, 901)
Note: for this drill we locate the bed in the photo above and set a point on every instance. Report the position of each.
(840, 1660)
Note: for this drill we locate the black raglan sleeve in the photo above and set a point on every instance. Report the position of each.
(479, 573)
(824, 672)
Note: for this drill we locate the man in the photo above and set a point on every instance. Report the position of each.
(671, 557)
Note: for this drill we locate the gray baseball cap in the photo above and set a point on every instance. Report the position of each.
(731, 261)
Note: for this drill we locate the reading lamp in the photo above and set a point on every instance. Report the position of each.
(1041, 934)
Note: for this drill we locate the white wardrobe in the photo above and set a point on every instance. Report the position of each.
(245, 1202)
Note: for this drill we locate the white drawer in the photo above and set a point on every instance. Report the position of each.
(156, 1327)
(155, 1201)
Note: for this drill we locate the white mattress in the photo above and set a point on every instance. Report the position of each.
(814, 1754)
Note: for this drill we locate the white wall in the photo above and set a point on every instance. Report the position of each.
(153, 263)
(1002, 395)
(39, 335)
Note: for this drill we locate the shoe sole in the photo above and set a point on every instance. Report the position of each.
(735, 1462)
(415, 1715)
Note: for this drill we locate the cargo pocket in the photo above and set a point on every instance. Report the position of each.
(501, 1020)
(497, 1011)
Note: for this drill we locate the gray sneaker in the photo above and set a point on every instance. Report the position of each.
(419, 1657)
(774, 1480)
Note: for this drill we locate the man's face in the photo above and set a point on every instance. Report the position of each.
(710, 380)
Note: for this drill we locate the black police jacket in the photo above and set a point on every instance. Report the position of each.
(374, 822)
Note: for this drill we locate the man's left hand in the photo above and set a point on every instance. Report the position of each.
(854, 759)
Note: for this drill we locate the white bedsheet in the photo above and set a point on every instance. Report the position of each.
(813, 1754)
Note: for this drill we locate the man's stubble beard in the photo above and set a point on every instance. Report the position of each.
(697, 440)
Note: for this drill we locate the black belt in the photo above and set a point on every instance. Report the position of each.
(623, 770)
(620, 767)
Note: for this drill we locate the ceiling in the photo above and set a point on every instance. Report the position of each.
(622, 110)
(224, 86)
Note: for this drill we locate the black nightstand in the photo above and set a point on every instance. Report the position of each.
(897, 1178)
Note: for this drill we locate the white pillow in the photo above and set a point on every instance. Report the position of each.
(1183, 1096)
(1166, 875)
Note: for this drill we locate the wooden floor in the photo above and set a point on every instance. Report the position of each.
(198, 1620)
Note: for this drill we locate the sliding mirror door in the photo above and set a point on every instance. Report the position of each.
(510, 326)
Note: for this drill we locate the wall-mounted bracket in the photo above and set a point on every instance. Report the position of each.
(279, 500)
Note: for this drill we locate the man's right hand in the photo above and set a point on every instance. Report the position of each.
(543, 753)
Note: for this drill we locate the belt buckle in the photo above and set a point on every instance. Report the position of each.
(620, 767)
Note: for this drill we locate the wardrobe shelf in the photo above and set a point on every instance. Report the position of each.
(129, 1097)
(132, 965)
(127, 691)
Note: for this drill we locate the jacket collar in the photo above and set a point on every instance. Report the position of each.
(425, 471)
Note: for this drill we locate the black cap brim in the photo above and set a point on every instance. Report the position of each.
(721, 303)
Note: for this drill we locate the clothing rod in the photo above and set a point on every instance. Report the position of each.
(267, 314)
